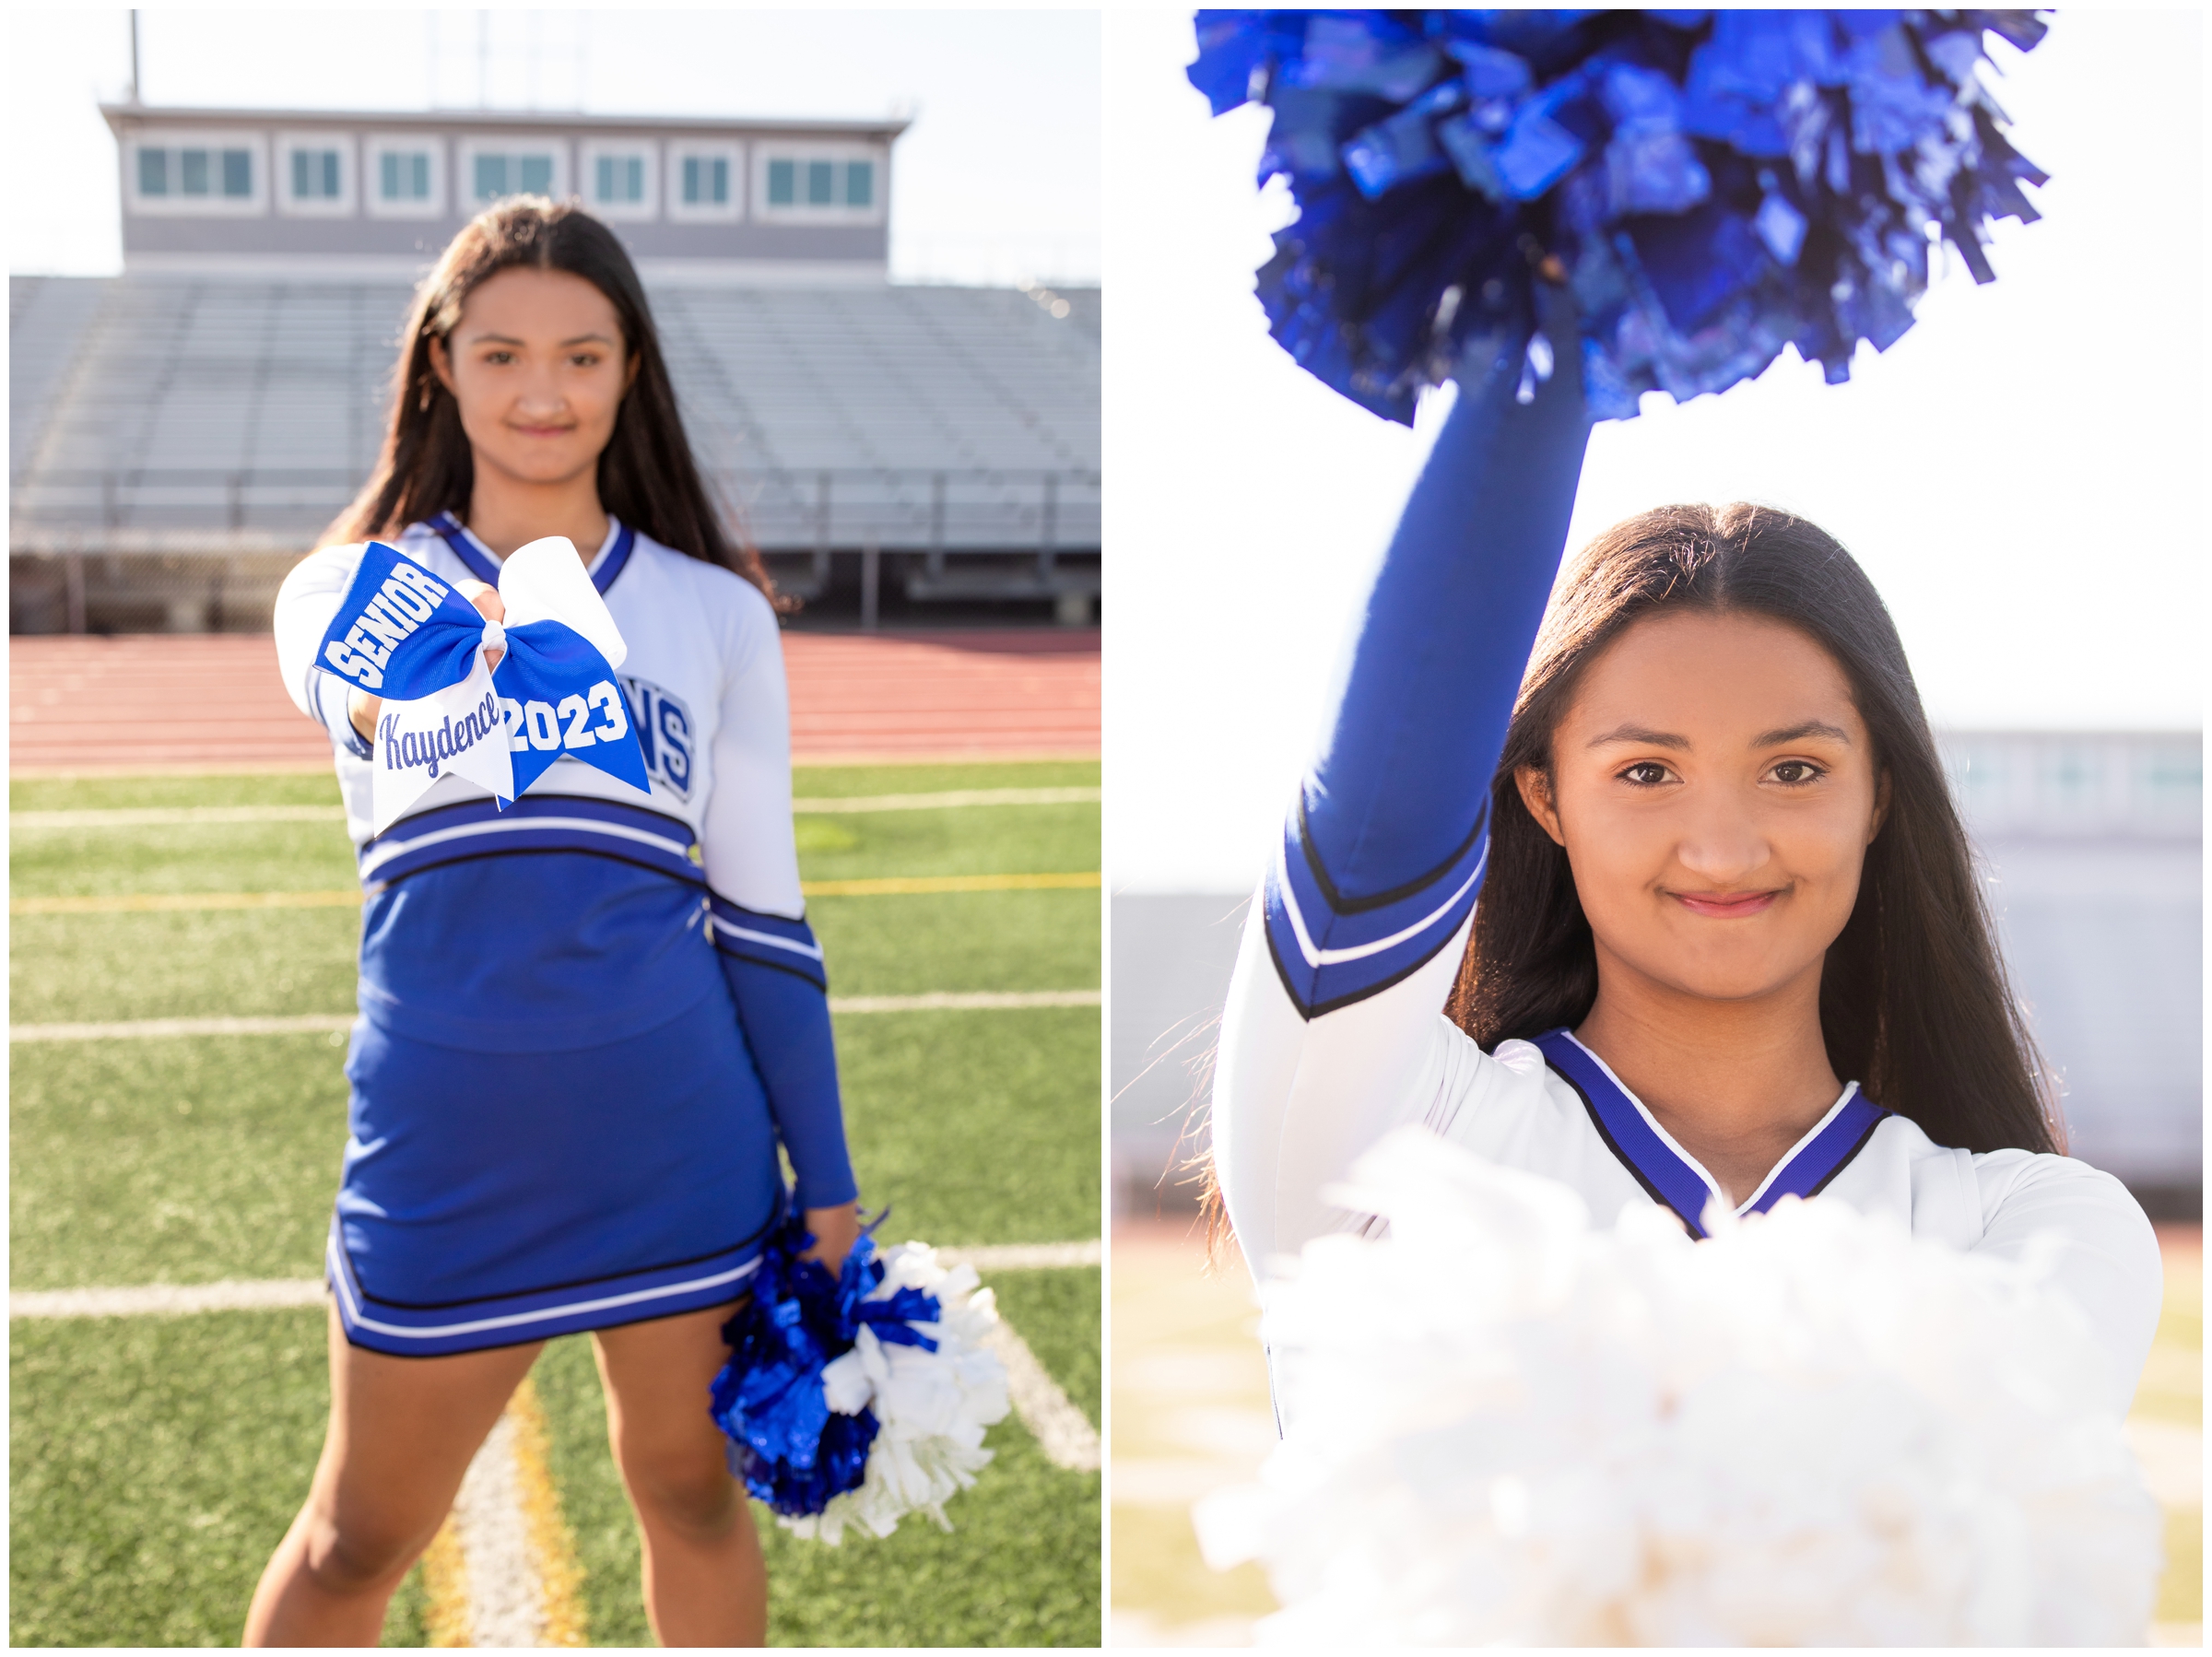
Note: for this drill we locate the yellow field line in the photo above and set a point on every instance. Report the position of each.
(947, 798)
(903, 885)
(129, 902)
(888, 887)
(482, 1588)
(552, 1544)
(445, 1585)
(166, 816)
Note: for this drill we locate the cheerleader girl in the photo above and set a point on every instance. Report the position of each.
(1729, 946)
(588, 1021)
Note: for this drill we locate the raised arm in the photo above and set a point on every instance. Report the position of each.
(1334, 1012)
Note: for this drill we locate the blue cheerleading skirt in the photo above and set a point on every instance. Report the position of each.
(491, 1198)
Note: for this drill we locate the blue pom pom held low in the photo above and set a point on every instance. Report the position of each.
(857, 1398)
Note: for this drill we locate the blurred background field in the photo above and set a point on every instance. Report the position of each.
(156, 1460)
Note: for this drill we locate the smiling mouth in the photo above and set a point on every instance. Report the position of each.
(1726, 905)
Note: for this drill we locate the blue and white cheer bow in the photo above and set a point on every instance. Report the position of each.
(409, 637)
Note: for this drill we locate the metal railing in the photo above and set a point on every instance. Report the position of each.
(185, 510)
(149, 530)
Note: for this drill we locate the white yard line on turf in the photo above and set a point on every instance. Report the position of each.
(965, 1001)
(505, 1595)
(162, 816)
(177, 1299)
(305, 1024)
(1026, 1257)
(505, 1600)
(164, 1299)
(1062, 1432)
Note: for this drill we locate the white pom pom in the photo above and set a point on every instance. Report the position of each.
(1810, 1429)
(846, 1383)
(931, 1408)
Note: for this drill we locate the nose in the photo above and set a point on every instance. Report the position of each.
(1723, 843)
(541, 394)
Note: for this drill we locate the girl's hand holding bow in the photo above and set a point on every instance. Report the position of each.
(362, 708)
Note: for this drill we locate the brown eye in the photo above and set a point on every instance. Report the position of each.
(1796, 771)
(1649, 774)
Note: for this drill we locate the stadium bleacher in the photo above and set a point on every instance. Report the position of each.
(176, 441)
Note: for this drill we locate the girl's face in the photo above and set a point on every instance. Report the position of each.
(1715, 791)
(537, 365)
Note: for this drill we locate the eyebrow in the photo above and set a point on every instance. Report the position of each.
(1765, 739)
(1811, 727)
(509, 339)
(1640, 737)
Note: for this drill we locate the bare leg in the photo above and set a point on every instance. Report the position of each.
(705, 1583)
(401, 1433)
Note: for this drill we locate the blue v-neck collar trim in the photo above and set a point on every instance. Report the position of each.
(485, 568)
(1672, 1182)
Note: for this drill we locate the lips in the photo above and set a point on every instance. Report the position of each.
(1726, 906)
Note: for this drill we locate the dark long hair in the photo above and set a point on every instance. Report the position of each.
(1913, 999)
(647, 476)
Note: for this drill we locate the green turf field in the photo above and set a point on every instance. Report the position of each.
(155, 1461)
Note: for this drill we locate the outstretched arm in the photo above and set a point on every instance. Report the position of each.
(306, 604)
(1334, 1012)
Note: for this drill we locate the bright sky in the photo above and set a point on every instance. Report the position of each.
(997, 178)
(2021, 475)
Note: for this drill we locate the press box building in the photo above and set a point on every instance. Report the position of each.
(180, 433)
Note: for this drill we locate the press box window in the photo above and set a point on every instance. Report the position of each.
(195, 172)
(403, 177)
(513, 175)
(706, 181)
(792, 183)
(314, 175)
(620, 179)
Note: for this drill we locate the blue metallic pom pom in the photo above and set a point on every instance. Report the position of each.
(792, 1449)
(1712, 185)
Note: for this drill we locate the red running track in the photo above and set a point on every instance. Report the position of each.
(213, 702)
